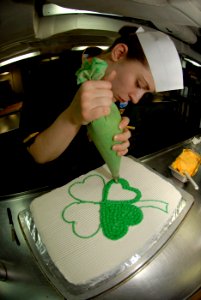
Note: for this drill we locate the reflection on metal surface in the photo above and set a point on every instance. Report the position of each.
(50, 9)
(3, 272)
(193, 62)
(18, 58)
(12, 227)
(9, 122)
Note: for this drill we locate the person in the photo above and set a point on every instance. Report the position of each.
(54, 133)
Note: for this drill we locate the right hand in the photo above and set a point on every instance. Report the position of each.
(92, 101)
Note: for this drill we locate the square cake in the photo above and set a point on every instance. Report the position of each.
(93, 227)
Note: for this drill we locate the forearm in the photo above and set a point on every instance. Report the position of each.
(92, 101)
(52, 142)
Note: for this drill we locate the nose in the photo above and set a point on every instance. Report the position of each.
(136, 95)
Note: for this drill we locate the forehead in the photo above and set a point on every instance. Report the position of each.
(148, 77)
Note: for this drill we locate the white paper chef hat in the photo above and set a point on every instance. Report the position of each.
(163, 59)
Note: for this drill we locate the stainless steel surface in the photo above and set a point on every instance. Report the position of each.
(24, 279)
(9, 122)
(3, 272)
(191, 180)
(178, 175)
(173, 273)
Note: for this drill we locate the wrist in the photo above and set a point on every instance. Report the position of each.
(68, 118)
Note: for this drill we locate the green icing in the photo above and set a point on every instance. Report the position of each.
(102, 132)
(91, 70)
(115, 216)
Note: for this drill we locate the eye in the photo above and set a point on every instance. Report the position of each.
(139, 84)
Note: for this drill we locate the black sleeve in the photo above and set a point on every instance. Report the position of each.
(49, 89)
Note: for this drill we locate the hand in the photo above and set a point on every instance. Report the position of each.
(92, 101)
(123, 137)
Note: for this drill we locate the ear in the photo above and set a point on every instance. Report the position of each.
(119, 51)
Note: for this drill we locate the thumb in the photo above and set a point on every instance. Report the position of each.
(110, 77)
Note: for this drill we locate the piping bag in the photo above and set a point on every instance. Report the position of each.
(102, 130)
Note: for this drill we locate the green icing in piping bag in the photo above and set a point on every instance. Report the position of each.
(91, 70)
(102, 130)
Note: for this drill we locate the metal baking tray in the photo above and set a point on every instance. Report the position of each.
(178, 175)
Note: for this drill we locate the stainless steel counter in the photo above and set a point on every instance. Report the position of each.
(173, 273)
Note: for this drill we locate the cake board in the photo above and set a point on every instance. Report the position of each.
(121, 269)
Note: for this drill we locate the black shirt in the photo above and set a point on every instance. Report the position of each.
(50, 88)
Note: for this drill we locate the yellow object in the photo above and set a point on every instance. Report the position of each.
(188, 161)
(32, 135)
(130, 127)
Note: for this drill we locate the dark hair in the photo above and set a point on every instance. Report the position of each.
(92, 51)
(129, 37)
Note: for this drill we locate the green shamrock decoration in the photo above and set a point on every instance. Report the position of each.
(117, 216)
(113, 216)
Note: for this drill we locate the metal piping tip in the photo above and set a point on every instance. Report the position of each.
(116, 179)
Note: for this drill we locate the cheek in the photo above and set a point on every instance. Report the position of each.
(121, 83)
(116, 84)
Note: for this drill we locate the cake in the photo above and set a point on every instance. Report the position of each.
(93, 227)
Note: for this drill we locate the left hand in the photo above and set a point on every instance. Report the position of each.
(123, 138)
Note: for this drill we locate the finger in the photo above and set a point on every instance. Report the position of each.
(124, 122)
(101, 100)
(96, 113)
(122, 137)
(95, 84)
(96, 96)
(121, 147)
(101, 111)
(123, 152)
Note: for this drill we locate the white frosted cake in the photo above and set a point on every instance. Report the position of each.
(92, 225)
